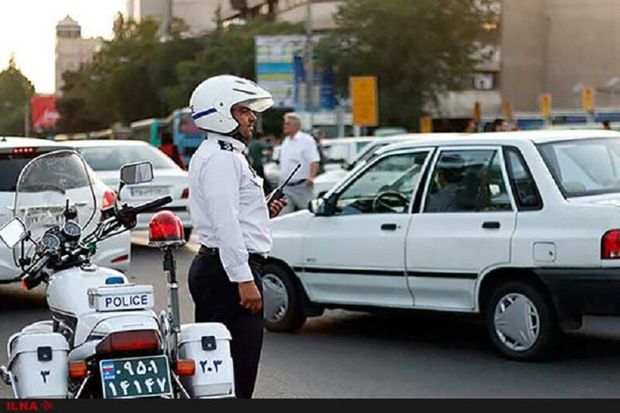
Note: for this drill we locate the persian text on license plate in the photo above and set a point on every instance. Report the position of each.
(149, 192)
(135, 377)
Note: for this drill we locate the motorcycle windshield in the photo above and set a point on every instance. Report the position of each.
(47, 185)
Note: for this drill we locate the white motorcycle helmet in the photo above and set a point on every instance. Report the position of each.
(212, 101)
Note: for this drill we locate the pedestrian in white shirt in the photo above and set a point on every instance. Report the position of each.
(231, 217)
(298, 148)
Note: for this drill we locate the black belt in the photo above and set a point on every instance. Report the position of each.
(204, 250)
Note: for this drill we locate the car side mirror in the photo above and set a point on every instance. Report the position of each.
(322, 207)
(13, 232)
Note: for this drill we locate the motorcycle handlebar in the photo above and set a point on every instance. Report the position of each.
(152, 205)
(32, 276)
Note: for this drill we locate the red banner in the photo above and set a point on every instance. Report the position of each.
(44, 113)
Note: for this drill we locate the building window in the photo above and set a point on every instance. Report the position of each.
(484, 81)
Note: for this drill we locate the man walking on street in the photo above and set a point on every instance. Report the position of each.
(231, 217)
(298, 148)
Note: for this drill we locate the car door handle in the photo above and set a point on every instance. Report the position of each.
(491, 225)
(389, 227)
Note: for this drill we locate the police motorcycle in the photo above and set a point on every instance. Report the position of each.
(104, 339)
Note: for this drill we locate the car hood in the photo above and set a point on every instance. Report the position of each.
(293, 222)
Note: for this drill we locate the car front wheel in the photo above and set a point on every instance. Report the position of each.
(282, 307)
(521, 321)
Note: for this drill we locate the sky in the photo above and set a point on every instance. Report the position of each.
(28, 31)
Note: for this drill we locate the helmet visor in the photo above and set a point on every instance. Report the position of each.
(258, 105)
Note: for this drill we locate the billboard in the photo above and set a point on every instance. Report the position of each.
(280, 69)
(43, 110)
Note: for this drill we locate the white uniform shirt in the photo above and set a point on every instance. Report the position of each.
(301, 148)
(227, 204)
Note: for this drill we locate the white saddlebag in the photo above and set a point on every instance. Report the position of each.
(38, 363)
(208, 344)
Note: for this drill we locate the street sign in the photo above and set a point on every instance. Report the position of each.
(587, 99)
(545, 105)
(477, 115)
(507, 109)
(364, 100)
(426, 124)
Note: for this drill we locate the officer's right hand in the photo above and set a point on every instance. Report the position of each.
(250, 297)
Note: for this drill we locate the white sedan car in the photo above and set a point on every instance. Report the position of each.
(520, 228)
(15, 153)
(106, 157)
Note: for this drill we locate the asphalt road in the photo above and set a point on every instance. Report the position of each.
(359, 355)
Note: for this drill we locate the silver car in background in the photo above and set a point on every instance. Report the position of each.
(106, 157)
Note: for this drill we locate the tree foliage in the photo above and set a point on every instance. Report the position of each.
(135, 76)
(15, 93)
(126, 78)
(417, 49)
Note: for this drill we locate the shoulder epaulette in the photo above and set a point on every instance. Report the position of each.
(225, 146)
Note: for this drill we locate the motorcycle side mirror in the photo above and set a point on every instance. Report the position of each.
(135, 173)
(13, 232)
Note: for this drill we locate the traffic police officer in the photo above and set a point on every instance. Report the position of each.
(231, 217)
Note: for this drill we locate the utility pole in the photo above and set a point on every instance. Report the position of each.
(164, 29)
(309, 64)
(27, 128)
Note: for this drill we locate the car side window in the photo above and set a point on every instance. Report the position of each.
(523, 186)
(387, 186)
(468, 181)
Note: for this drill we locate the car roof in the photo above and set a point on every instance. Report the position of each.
(344, 140)
(10, 142)
(104, 142)
(500, 138)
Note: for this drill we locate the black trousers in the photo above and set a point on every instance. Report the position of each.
(216, 299)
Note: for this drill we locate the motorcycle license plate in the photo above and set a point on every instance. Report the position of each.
(135, 377)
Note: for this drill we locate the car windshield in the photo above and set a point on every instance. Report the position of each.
(584, 167)
(112, 158)
(366, 153)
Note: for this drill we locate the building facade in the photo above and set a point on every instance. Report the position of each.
(559, 47)
(292, 11)
(71, 49)
(199, 15)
